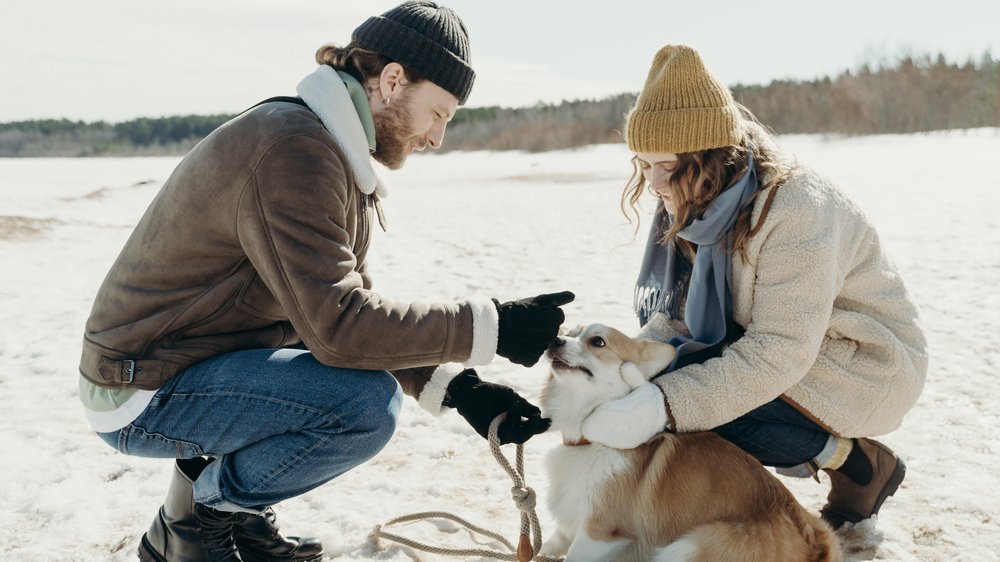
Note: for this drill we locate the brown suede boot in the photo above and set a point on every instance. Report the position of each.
(853, 502)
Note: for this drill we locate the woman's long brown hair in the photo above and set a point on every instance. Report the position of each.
(699, 177)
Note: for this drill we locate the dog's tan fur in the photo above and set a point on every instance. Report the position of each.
(689, 496)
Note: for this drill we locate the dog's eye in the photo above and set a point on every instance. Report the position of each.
(597, 341)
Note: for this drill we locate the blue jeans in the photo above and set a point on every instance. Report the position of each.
(277, 422)
(777, 435)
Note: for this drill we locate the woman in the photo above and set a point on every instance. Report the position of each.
(796, 337)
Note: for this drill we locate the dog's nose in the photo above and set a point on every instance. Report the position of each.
(557, 342)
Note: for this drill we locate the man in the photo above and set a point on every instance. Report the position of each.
(238, 323)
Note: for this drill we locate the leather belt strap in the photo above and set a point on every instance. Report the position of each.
(130, 374)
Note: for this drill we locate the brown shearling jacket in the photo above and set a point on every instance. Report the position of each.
(258, 240)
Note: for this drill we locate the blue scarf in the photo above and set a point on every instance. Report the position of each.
(709, 304)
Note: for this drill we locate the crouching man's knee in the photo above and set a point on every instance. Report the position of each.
(376, 411)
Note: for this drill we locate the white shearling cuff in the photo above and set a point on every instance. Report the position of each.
(433, 393)
(485, 332)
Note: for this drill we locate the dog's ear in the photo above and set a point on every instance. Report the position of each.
(654, 356)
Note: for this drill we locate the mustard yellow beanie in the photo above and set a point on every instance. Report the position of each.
(682, 107)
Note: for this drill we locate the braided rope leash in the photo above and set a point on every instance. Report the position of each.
(524, 498)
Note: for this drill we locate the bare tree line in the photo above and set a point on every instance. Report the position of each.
(915, 94)
(912, 94)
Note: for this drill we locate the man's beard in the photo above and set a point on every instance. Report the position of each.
(392, 134)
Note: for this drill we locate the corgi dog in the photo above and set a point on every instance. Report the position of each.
(688, 496)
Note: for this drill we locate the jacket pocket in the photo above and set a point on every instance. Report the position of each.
(136, 441)
(839, 350)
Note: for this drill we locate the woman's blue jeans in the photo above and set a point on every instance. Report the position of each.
(277, 422)
(777, 435)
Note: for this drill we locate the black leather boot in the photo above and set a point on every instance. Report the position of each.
(217, 533)
(259, 540)
(175, 535)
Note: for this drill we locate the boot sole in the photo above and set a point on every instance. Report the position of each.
(252, 558)
(147, 553)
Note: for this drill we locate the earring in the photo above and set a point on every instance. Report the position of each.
(385, 101)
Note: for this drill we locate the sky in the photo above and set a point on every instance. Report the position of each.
(115, 60)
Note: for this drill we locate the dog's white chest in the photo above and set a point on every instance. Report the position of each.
(576, 477)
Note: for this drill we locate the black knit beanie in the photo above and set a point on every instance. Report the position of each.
(427, 39)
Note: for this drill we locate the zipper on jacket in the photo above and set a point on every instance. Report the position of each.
(381, 215)
(364, 225)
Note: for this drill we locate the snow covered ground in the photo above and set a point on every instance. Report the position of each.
(505, 225)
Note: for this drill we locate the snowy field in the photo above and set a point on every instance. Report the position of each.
(506, 225)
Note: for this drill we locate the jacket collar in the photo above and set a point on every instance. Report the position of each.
(328, 96)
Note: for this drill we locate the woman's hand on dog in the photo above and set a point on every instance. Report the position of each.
(479, 402)
(629, 421)
(528, 326)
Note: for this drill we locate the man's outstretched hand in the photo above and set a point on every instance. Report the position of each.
(479, 402)
(527, 326)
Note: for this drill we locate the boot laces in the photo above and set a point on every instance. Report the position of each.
(217, 533)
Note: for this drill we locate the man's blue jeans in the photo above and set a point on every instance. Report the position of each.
(778, 435)
(278, 423)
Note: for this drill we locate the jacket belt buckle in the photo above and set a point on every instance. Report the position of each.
(128, 366)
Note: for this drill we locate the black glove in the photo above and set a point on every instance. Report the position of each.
(480, 402)
(528, 326)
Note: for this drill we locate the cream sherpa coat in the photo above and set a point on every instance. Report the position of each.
(830, 326)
